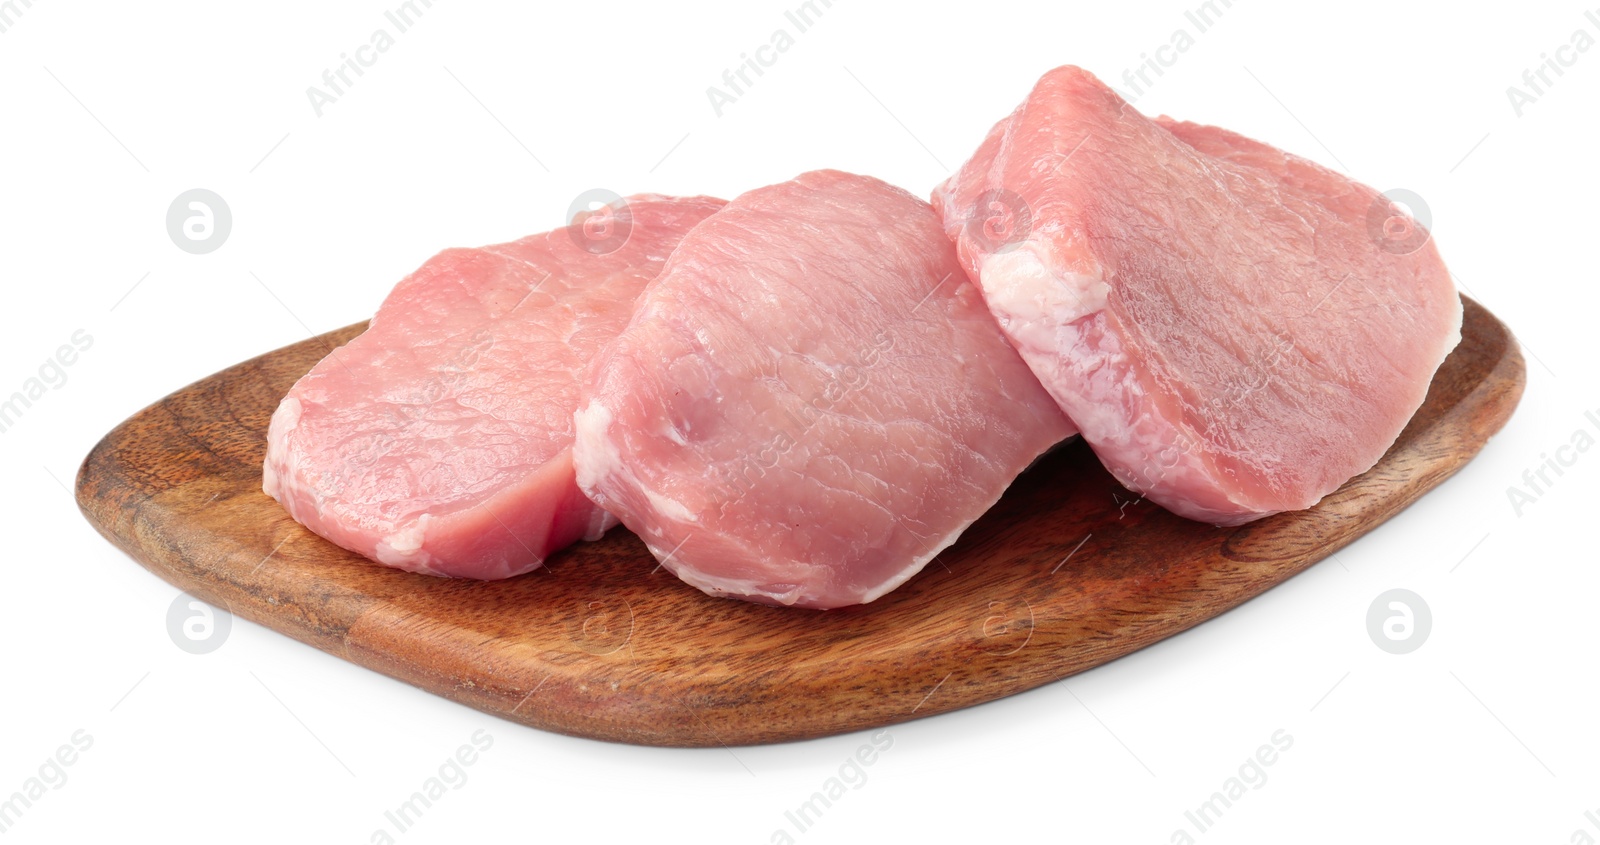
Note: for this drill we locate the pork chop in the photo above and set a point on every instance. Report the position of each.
(440, 440)
(1237, 331)
(811, 400)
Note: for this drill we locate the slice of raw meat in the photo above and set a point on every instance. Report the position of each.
(1237, 331)
(440, 440)
(811, 401)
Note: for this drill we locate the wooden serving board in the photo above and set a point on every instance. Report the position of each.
(602, 644)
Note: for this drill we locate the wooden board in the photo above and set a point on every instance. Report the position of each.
(602, 644)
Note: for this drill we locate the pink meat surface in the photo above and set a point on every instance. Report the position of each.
(811, 401)
(440, 440)
(1237, 331)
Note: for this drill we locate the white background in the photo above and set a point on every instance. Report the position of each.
(482, 124)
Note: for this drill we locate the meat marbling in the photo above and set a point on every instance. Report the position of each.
(811, 401)
(1237, 331)
(440, 440)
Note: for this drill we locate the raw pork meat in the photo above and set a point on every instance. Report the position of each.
(1236, 331)
(811, 400)
(440, 440)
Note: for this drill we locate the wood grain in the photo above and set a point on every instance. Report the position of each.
(602, 644)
